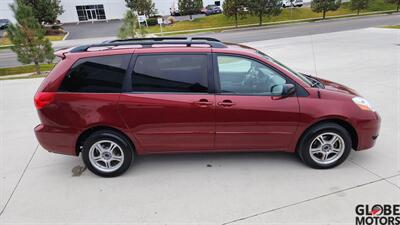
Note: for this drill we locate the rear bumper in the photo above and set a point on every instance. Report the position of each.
(368, 132)
(57, 140)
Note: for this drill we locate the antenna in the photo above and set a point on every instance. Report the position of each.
(313, 52)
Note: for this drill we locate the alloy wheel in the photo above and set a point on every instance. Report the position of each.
(327, 148)
(106, 156)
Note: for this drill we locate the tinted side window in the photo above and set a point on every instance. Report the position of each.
(170, 73)
(104, 74)
(241, 75)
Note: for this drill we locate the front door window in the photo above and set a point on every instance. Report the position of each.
(244, 76)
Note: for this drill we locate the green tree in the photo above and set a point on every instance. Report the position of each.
(46, 11)
(325, 6)
(358, 5)
(130, 27)
(190, 7)
(268, 8)
(142, 7)
(28, 37)
(397, 2)
(235, 8)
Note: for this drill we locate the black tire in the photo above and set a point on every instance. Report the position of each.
(122, 145)
(303, 149)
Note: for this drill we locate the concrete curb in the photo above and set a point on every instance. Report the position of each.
(65, 36)
(22, 75)
(16, 75)
(5, 47)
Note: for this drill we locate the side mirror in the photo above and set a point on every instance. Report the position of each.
(283, 90)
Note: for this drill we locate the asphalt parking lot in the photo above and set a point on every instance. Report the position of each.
(90, 30)
(38, 187)
(103, 28)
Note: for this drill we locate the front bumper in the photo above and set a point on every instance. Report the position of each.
(368, 132)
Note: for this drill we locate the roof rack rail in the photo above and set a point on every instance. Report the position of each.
(165, 39)
(149, 42)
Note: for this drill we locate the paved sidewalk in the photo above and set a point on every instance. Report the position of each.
(37, 187)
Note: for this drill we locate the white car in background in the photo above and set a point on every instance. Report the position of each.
(292, 3)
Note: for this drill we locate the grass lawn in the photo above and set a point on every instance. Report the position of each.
(24, 69)
(6, 41)
(287, 14)
(393, 27)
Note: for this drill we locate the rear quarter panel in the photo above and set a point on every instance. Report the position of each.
(70, 114)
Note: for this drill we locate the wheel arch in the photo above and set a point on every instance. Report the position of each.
(346, 125)
(86, 133)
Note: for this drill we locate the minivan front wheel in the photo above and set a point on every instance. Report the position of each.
(325, 146)
(107, 153)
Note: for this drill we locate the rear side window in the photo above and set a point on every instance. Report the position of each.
(104, 74)
(170, 73)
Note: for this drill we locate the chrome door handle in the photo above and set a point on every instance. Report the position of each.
(226, 103)
(203, 102)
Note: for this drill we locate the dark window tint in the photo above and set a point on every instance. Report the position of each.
(170, 73)
(103, 74)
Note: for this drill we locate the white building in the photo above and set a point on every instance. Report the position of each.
(92, 10)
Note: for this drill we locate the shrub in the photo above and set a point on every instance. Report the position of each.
(152, 21)
(56, 27)
(171, 19)
(51, 31)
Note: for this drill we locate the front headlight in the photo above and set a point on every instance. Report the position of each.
(363, 104)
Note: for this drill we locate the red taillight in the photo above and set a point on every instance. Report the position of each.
(43, 98)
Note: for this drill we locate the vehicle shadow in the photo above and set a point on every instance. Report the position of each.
(182, 161)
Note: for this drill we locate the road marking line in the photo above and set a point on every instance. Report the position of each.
(308, 200)
(19, 180)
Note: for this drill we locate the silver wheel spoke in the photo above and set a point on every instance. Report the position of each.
(321, 139)
(112, 147)
(324, 156)
(333, 140)
(116, 158)
(97, 158)
(108, 164)
(336, 150)
(99, 148)
(103, 162)
(316, 150)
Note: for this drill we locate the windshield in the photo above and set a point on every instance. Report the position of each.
(269, 58)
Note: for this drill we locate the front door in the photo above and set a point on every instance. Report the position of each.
(91, 14)
(169, 107)
(248, 116)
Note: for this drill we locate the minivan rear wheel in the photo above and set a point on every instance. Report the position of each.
(107, 153)
(325, 146)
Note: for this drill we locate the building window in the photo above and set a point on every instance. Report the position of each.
(90, 12)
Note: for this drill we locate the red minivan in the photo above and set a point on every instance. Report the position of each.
(119, 99)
